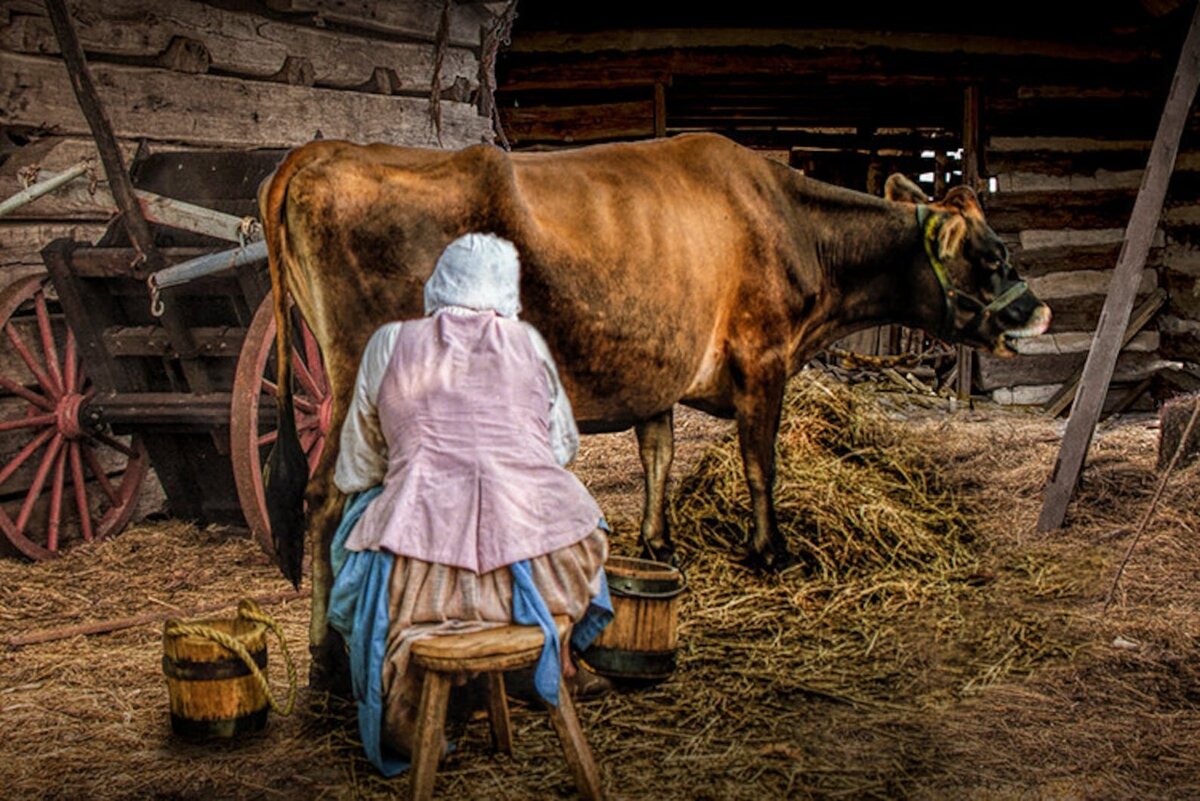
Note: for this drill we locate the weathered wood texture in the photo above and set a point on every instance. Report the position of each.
(21, 242)
(244, 44)
(1063, 202)
(413, 18)
(212, 110)
(1104, 355)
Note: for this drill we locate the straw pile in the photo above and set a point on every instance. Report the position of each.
(927, 644)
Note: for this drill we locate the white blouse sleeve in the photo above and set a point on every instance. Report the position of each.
(564, 434)
(362, 460)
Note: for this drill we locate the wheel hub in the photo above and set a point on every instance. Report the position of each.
(67, 413)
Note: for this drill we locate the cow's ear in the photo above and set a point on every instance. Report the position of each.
(899, 187)
(965, 200)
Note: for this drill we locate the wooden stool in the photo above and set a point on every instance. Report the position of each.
(491, 651)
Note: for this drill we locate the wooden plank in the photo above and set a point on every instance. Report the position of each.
(1057, 404)
(1075, 314)
(1033, 239)
(1018, 211)
(166, 106)
(834, 66)
(22, 242)
(1043, 261)
(243, 43)
(993, 372)
(824, 38)
(579, 123)
(1039, 394)
(115, 262)
(223, 341)
(414, 18)
(1085, 282)
(1103, 357)
(1081, 341)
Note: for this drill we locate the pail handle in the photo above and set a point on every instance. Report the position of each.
(623, 592)
(247, 610)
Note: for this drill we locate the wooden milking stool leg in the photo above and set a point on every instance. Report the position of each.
(431, 724)
(575, 746)
(491, 651)
(498, 714)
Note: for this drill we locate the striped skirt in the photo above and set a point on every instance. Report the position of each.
(427, 599)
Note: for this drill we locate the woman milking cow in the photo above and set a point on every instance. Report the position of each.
(453, 453)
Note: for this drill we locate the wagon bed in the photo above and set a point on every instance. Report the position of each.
(98, 389)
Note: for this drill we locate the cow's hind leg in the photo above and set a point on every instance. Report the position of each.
(758, 401)
(656, 445)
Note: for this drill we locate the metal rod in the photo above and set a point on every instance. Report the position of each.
(200, 267)
(33, 192)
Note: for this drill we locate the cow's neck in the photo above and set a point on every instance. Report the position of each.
(869, 252)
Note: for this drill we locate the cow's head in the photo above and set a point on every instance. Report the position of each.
(983, 302)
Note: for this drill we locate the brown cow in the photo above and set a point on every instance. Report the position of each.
(683, 270)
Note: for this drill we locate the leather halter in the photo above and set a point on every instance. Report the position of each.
(931, 224)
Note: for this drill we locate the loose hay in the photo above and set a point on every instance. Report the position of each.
(932, 645)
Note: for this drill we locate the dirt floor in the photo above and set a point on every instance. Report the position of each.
(999, 678)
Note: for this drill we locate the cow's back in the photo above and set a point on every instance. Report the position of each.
(634, 256)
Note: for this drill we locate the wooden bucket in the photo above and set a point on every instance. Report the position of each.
(640, 642)
(215, 674)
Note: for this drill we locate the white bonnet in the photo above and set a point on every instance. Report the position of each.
(477, 271)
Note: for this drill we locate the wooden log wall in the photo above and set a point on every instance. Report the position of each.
(1067, 122)
(187, 75)
(1067, 163)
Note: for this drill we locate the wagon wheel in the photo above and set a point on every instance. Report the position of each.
(46, 384)
(254, 387)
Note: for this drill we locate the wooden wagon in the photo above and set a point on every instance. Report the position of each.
(101, 387)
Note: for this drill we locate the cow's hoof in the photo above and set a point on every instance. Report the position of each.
(662, 553)
(769, 560)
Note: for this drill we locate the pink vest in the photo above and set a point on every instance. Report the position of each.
(472, 481)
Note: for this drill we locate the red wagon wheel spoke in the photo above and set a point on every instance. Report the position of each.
(47, 336)
(35, 514)
(72, 364)
(115, 444)
(39, 480)
(22, 455)
(78, 482)
(312, 356)
(56, 495)
(37, 421)
(305, 377)
(43, 378)
(254, 389)
(98, 473)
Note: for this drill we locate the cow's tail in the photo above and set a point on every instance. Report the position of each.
(286, 474)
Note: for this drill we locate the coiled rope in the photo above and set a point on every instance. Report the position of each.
(247, 610)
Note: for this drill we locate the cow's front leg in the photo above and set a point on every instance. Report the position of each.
(758, 402)
(656, 445)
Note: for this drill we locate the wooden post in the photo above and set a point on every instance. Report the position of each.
(1106, 345)
(118, 181)
(970, 175)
